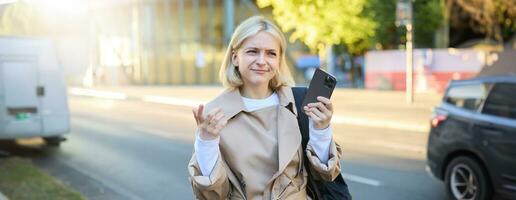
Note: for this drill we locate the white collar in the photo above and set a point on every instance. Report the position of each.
(257, 104)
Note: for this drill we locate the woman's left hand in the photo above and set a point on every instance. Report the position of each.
(320, 112)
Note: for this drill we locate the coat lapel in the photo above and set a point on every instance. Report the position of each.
(289, 137)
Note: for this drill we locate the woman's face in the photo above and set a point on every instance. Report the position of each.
(258, 59)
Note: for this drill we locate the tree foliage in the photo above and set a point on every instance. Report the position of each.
(427, 18)
(494, 18)
(319, 23)
(21, 19)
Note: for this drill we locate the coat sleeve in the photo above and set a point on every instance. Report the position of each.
(326, 172)
(215, 186)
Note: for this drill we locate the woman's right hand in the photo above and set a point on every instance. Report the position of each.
(209, 128)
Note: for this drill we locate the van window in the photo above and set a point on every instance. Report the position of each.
(502, 101)
(467, 96)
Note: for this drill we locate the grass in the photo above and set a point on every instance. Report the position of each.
(20, 180)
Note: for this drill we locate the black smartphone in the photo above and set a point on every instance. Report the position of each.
(322, 84)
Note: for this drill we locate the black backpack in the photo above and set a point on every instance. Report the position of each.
(317, 189)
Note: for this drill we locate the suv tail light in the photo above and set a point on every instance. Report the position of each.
(437, 119)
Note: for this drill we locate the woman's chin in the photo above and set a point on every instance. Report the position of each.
(259, 81)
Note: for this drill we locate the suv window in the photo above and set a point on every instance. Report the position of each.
(468, 96)
(502, 101)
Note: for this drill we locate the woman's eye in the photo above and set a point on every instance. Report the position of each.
(251, 51)
(272, 53)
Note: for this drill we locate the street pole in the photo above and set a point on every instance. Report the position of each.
(404, 17)
(409, 97)
(229, 20)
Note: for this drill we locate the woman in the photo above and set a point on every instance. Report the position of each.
(248, 144)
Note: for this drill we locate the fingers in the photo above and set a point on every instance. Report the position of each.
(220, 125)
(194, 111)
(320, 112)
(217, 118)
(212, 114)
(321, 107)
(313, 116)
(216, 123)
(320, 115)
(199, 113)
(197, 116)
(327, 103)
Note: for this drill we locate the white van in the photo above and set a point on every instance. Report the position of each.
(33, 100)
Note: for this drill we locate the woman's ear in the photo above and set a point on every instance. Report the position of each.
(234, 60)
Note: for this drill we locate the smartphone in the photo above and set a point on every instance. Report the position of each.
(322, 84)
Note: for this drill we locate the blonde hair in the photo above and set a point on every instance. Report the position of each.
(228, 73)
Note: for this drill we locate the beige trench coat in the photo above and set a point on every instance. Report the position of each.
(289, 182)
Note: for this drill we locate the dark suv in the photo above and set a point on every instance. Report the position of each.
(472, 140)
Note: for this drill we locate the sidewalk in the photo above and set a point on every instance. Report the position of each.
(382, 109)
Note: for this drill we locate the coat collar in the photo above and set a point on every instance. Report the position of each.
(231, 102)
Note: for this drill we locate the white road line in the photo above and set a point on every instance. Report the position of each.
(98, 93)
(340, 119)
(171, 100)
(362, 180)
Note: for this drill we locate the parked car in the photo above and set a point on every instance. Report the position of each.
(472, 140)
(33, 100)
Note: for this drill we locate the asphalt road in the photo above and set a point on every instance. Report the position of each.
(128, 149)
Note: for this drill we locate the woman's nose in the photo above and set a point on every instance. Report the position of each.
(261, 59)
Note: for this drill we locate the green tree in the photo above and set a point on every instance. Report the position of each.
(494, 18)
(383, 12)
(427, 18)
(320, 23)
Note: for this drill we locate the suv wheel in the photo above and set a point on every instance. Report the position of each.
(467, 180)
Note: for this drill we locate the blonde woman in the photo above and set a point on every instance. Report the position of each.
(248, 143)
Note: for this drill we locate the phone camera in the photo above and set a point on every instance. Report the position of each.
(328, 81)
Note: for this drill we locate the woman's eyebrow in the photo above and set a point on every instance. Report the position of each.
(254, 48)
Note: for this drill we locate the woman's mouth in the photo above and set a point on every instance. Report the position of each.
(259, 71)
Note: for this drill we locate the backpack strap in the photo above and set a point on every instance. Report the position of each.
(318, 190)
(302, 118)
(302, 121)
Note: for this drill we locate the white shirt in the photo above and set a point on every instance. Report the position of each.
(207, 151)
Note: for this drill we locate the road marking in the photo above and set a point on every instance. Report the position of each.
(340, 119)
(362, 180)
(98, 93)
(398, 146)
(171, 100)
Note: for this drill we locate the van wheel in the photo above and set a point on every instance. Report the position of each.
(466, 179)
(54, 141)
